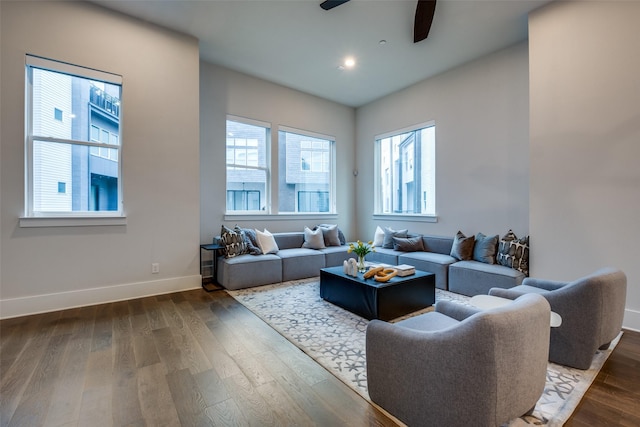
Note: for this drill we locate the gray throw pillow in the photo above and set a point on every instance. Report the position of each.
(409, 244)
(341, 237)
(330, 234)
(389, 234)
(313, 239)
(485, 248)
(462, 248)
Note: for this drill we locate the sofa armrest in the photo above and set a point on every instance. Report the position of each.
(456, 310)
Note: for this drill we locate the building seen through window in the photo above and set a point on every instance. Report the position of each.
(247, 170)
(405, 172)
(305, 172)
(73, 140)
(304, 169)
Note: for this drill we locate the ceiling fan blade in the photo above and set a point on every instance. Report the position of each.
(330, 4)
(424, 17)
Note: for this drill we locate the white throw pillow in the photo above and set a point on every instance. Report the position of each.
(313, 239)
(378, 237)
(267, 242)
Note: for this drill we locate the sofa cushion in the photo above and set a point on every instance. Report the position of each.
(233, 242)
(408, 244)
(435, 263)
(475, 278)
(245, 271)
(289, 240)
(485, 248)
(438, 244)
(432, 321)
(462, 248)
(313, 239)
(266, 241)
(384, 256)
(300, 263)
(334, 256)
(389, 234)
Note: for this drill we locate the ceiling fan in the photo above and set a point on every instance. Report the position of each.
(423, 19)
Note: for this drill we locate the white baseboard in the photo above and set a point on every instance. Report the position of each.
(631, 320)
(23, 306)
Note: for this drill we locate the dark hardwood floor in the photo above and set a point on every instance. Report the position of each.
(199, 359)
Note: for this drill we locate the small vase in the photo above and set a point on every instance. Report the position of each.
(361, 267)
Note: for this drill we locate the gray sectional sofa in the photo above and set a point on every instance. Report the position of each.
(292, 262)
(463, 277)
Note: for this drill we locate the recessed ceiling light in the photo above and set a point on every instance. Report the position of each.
(381, 42)
(349, 62)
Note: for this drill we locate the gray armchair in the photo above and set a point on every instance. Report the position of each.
(460, 366)
(592, 309)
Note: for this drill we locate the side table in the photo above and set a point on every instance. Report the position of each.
(211, 284)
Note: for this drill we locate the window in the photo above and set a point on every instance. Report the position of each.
(247, 165)
(79, 145)
(243, 200)
(305, 182)
(405, 172)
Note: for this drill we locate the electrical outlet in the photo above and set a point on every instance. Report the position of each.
(155, 268)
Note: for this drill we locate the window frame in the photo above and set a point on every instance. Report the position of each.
(331, 150)
(43, 218)
(378, 212)
(266, 168)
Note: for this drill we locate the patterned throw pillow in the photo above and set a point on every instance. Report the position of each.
(462, 248)
(519, 251)
(250, 239)
(503, 249)
(233, 242)
(514, 252)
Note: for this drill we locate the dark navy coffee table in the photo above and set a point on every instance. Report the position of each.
(376, 300)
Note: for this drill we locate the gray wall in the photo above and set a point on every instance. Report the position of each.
(482, 167)
(53, 267)
(585, 142)
(228, 92)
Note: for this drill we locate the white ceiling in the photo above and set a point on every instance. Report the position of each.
(297, 44)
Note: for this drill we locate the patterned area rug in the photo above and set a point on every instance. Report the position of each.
(335, 338)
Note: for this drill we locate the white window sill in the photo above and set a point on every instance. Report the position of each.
(278, 217)
(405, 217)
(60, 221)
